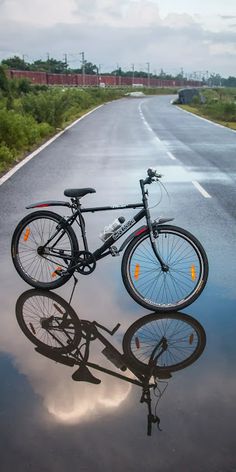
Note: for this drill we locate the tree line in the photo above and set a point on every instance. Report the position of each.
(61, 67)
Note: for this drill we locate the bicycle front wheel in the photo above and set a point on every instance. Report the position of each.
(165, 291)
(167, 343)
(41, 247)
(48, 321)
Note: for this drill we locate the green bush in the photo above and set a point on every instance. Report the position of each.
(6, 157)
(29, 114)
(48, 107)
(229, 111)
(44, 130)
(20, 132)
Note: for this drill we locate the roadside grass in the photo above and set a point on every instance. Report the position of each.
(196, 111)
(219, 106)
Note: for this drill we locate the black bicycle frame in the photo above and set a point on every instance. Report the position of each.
(103, 250)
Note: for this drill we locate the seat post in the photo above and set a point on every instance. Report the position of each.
(82, 225)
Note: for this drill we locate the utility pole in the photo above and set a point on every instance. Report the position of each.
(132, 75)
(23, 58)
(65, 62)
(119, 74)
(148, 68)
(48, 61)
(99, 74)
(83, 67)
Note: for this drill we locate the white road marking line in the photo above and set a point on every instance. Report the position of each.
(147, 125)
(171, 156)
(201, 189)
(37, 151)
(208, 121)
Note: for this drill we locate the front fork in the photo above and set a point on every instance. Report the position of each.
(153, 234)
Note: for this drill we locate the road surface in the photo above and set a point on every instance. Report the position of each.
(49, 422)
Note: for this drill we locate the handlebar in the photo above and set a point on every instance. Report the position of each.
(153, 176)
(153, 173)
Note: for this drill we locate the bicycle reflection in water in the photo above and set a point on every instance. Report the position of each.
(154, 346)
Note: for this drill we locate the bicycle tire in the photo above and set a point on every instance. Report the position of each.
(186, 340)
(163, 291)
(34, 306)
(39, 270)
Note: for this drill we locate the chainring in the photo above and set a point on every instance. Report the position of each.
(86, 263)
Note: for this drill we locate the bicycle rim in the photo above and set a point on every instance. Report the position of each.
(48, 321)
(187, 271)
(172, 342)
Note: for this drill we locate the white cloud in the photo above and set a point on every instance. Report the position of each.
(222, 49)
(124, 32)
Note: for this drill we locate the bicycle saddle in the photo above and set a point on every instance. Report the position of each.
(84, 375)
(78, 192)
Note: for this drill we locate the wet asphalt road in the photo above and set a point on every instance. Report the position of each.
(49, 422)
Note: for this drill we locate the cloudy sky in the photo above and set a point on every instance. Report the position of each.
(169, 34)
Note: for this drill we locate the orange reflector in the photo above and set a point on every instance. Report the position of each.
(32, 328)
(193, 272)
(55, 273)
(137, 343)
(136, 271)
(58, 308)
(27, 233)
(191, 338)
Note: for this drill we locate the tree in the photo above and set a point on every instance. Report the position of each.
(4, 84)
(50, 65)
(215, 80)
(16, 63)
(230, 82)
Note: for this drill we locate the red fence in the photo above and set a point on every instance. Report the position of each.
(95, 80)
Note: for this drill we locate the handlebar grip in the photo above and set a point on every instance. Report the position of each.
(153, 173)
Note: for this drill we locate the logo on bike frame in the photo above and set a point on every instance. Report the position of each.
(123, 229)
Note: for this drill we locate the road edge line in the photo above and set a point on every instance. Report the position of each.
(205, 119)
(28, 158)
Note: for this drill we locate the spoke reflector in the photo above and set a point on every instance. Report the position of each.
(27, 233)
(191, 338)
(55, 273)
(58, 308)
(136, 271)
(193, 272)
(32, 328)
(137, 343)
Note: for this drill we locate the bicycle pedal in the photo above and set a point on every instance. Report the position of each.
(114, 251)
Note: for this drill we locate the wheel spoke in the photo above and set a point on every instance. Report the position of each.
(42, 319)
(174, 340)
(183, 280)
(35, 266)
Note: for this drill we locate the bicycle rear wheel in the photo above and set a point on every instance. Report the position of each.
(39, 262)
(161, 290)
(170, 342)
(48, 321)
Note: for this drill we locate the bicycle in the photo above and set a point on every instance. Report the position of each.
(163, 267)
(153, 347)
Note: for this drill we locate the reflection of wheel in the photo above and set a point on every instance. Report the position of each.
(48, 320)
(39, 259)
(170, 342)
(174, 287)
